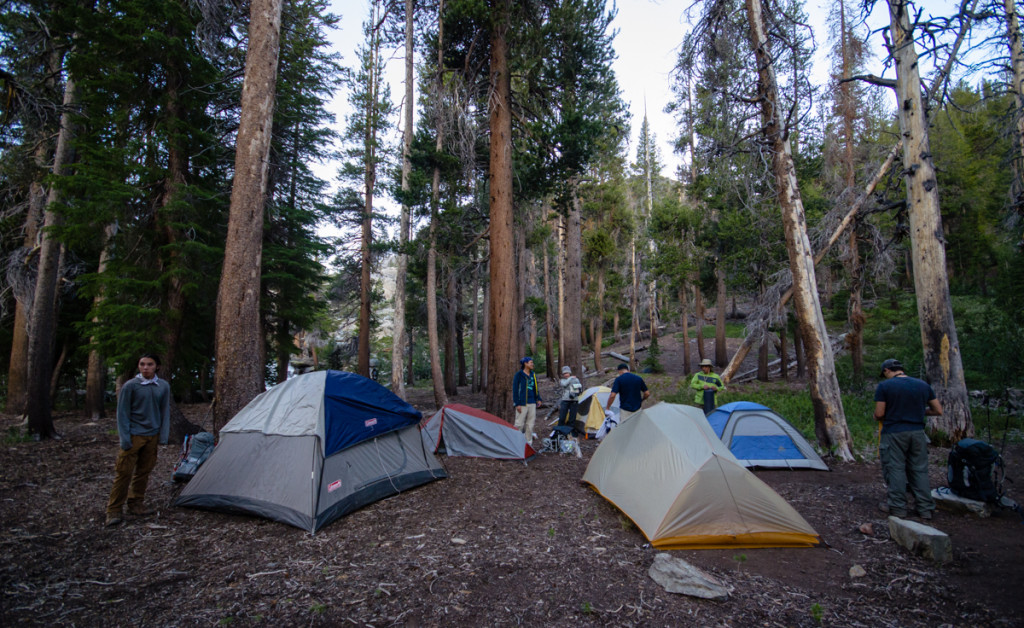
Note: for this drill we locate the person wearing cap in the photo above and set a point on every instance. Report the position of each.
(707, 385)
(526, 396)
(571, 389)
(901, 405)
(633, 390)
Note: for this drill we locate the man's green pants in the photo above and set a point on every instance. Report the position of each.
(904, 457)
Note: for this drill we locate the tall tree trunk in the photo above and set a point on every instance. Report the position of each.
(398, 333)
(1013, 36)
(504, 300)
(42, 320)
(599, 327)
(474, 385)
(17, 374)
(451, 354)
(783, 350)
(721, 351)
(829, 418)
(634, 302)
(460, 345)
(239, 375)
(549, 322)
(698, 299)
(855, 310)
(369, 186)
(174, 291)
(684, 325)
(96, 375)
(572, 305)
(485, 335)
(939, 342)
(433, 340)
(560, 298)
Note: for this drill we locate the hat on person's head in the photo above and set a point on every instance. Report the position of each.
(622, 367)
(706, 362)
(525, 360)
(566, 369)
(892, 365)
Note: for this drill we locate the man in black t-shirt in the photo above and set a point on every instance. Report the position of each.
(901, 404)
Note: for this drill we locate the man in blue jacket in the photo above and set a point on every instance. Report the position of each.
(526, 396)
(143, 420)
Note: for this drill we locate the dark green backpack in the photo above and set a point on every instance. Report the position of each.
(975, 471)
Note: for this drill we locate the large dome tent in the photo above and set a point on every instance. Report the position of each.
(313, 449)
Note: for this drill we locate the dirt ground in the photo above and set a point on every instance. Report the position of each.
(494, 544)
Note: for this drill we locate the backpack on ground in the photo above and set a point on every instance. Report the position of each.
(194, 451)
(975, 471)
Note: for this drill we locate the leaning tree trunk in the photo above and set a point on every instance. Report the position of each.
(829, 419)
(503, 298)
(239, 375)
(941, 349)
(398, 333)
(42, 320)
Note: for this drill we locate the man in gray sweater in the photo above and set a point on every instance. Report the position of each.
(143, 420)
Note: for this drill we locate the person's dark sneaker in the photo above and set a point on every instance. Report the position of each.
(925, 515)
(113, 520)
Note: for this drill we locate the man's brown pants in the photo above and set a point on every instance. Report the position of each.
(132, 473)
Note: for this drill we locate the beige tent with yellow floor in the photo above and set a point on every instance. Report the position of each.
(590, 410)
(667, 471)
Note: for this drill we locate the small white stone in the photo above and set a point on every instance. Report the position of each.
(458, 541)
(857, 572)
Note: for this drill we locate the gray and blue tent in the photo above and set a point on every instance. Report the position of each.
(759, 437)
(313, 449)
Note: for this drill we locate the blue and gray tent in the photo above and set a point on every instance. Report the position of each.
(759, 437)
(313, 449)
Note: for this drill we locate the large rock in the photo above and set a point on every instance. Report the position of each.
(678, 576)
(950, 501)
(921, 539)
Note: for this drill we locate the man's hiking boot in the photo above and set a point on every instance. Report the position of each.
(113, 519)
(140, 509)
(925, 515)
(892, 512)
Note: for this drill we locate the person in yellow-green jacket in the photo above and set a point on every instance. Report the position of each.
(707, 384)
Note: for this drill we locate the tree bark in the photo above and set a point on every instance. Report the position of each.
(721, 351)
(42, 320)
(504, 300)
(96, 375)
(398, 333)
(239, 375)
(599, 327)
(1013, 36)
(474, 385)
(941, 348)
(572, 305)
(369, 186)
(698, 298)
(450, 352)
(549, 323)
(829, 418)
(433, 339)
(684, 324)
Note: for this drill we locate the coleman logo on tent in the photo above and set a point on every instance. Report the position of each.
(333, 486)
(370, 422)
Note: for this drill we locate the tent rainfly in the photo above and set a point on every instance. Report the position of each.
(668, 472)
(465, 431)
(313, 449)
(759, 437)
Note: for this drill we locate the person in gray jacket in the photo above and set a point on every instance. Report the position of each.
(143, 421)
(571, 388)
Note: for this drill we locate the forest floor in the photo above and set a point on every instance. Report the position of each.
(495, 544)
